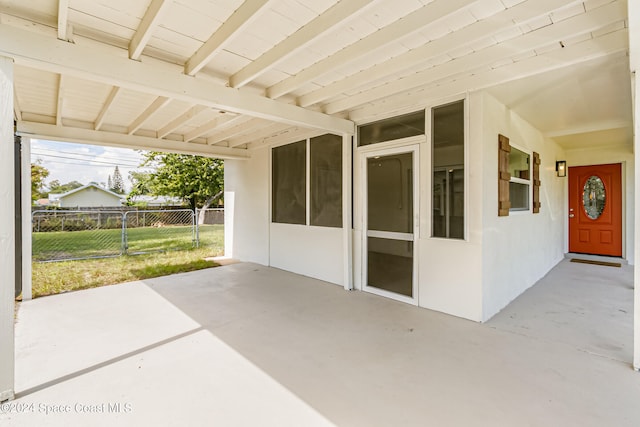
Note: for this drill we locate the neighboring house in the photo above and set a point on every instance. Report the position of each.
(446, 154)
(42, 202)
(156, 201)
(87, 196)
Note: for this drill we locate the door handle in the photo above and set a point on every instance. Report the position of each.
(571, 215)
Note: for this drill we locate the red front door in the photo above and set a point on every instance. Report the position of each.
(595, 209)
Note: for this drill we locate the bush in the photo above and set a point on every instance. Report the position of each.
(112, 223)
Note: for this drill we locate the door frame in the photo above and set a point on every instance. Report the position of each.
(412, 145)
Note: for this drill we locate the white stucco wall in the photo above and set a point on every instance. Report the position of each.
(311, 251)
(600, 156)
(246, 204)
(249, 236)
(521, 248)
(89, 197)
(450, 270)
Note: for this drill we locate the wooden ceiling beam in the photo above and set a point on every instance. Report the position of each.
(240, 19)
(94, 137)
(386, 35)
(63, 17)
(149, 22)
(60, 101)
(298, 40)
(106, 65)
(574, 54)
(180, 120)
(240, 125)
(579, 24)
(105, 108)
(254, 134)
(521, 12)
(207, 127)
(155, 106)
(286, 136)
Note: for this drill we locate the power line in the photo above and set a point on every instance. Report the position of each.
(87, 161)
(84, 164)
(91, 156)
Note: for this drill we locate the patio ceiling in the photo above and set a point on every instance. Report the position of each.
(223, 77)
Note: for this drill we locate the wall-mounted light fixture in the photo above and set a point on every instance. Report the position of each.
(561, 168)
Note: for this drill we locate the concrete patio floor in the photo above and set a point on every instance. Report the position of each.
(246, 345)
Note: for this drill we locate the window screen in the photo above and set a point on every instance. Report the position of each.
(448, 171)
(289, 190)
(326, 181)
(391, 129)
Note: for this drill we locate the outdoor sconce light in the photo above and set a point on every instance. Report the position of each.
(561, 168)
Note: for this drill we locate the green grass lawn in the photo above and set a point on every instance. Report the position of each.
(97, 243)
(57, 277)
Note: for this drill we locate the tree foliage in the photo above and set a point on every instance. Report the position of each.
(38, 175)
(197, 180)
(56, 188)
(140, 181)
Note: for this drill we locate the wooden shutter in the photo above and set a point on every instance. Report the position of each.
(503, 175)
(536, 182)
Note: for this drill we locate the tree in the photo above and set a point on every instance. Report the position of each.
(197, 180)
(38, 175)
(56, 188)
(116, 183)
(140, 181)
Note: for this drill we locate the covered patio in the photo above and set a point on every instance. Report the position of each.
(245, 344)
(324, 88)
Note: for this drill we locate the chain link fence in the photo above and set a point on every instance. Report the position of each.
(82, 234)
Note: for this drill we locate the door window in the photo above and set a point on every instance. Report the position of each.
(593, 197)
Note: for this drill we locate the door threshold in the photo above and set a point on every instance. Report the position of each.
(596, 258)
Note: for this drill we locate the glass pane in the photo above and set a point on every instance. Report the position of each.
(391, 129)
(593, 197)
(326, 181)
(390, 265)
(440, 204)
(456, 204)
(289, 175)
(518, 164)
(448, 171)
(519, 196)
(390, 193)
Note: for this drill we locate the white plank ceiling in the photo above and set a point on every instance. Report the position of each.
(222, 77)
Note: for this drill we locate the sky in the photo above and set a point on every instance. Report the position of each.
(68, 162)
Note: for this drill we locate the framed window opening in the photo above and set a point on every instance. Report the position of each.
(325, 181)
(306, 182)
(289, 183)
(520, 181)
(448, 175)
(392, 128)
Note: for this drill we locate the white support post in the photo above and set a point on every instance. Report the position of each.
(26, 218)
(633, 21)
(635, 87)
(347, 206)
(7, 231)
